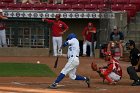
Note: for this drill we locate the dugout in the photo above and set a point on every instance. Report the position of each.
(26, 32)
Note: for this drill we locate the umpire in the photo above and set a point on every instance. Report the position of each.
(134, 58)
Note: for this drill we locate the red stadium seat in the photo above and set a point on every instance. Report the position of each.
(137, 3)
(39, 6)
(3, 5)
(117, 7)
(51, 7)
(122, 1)
(14, 6)
(83, 1)
(77, 7)
(110, 1)
(64, 7)
(26, 6)
(7, 1)
(70, 2)
(102, 7)
(97, 1)
(131, 9)
(90, 7)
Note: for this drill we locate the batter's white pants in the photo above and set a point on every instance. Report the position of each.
(71, 67)
(3, 38)
(114, 76)
(86, 43)
(57, 43)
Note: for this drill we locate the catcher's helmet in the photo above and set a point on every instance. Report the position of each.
(71, 36)
(108, 53)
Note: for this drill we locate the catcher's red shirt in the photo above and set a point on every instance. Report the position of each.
(113, 66)
(57, 27)
(88, 35)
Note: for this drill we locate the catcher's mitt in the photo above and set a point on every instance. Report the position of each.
(94, 66)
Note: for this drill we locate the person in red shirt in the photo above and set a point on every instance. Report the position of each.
(113, 71)
(58, 29)
(89, 36)
(3, 42)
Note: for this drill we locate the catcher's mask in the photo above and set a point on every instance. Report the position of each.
(107, 55)
(130, 43)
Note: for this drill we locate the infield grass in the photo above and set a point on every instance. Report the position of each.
(25, 70)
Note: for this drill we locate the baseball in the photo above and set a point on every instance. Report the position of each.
(38, 62)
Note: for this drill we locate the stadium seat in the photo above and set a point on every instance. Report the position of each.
(39, 6)
(131, 9)
(7, 1)
(90, 7)
(70, 2)
(51, 7)
(110, 1)
(77, 7)
(83, 1)
(3, 5)
(102, 7)
(64, 7)
(26, 6)
(117, 7)
(14, 6)
(122, 1)
(97, 1)
(137, 3)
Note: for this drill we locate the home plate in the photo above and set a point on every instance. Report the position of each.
(60, 85)
(101, 89)
(17, 83)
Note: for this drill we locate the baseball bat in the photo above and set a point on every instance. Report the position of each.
(56, 62)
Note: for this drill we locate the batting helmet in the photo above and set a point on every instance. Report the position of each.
(71, 36)
(57, 16)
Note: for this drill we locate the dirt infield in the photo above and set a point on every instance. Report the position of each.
(39, 84)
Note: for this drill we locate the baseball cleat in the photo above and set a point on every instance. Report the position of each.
(52, 86)
(88, 82)
(136, 83)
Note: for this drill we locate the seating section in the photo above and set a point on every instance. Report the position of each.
(117, 7)
(83, 2)
(122, 1)
(64, 7)
(97, 1)
(130, 6)
(78, 7)
(91, 7)
(70, 1)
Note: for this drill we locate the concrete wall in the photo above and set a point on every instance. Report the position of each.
(24, 51)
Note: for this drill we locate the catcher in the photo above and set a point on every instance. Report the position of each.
(112, 72)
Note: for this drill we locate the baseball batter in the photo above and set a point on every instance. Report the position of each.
(73, 62)
(2, 30)
(112, 72)
(88, 33)
(58, 29)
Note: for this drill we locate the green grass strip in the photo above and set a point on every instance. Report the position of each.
(25, 70)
